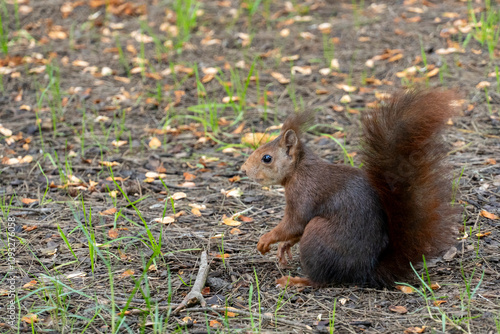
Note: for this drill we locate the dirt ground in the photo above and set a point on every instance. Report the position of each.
(67, 93)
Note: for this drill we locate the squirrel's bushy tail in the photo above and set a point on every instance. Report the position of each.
(404, 157)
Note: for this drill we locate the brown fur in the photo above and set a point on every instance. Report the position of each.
(366, 225)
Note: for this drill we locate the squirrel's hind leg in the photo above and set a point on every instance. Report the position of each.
(288, 281)
(331, 253)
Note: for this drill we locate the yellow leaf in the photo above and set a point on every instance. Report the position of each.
(257, 138)
(231, 222)
(154, 143)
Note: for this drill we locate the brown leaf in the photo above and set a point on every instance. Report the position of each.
(215, 323)
(178, 195)
(108, 212)
(30, 318)
(188, 176)
(113, 233)
(154, 143)
(235, 231)
(280, 77)
(109, 163)
(432, 72)
(28, 201)
(127, 273)
(245, 219)
(235, 178)
(439, 302)
(230, 222)
(415, 330)
(165, 220)
(395, 58)
(487, 214)
(398, 309)
(30, 284)
(257, 138)
(404, 289)
(238, 130)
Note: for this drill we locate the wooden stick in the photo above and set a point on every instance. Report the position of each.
(195, 296)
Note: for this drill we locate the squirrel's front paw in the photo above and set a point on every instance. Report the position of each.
(264, 244)
(284, 251)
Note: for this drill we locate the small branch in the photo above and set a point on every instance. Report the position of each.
(29, 211)
(195, 296)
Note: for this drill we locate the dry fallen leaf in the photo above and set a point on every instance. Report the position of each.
(28, 201)
(215, 323)
(127, 273)
(483, 84)
(113, 233)
(404, 289)
(118, 143)
(30, 284)
(109, 163)
(108, 212)
(280, 77)
(178, 195)
(236, 192)
(439, 302)
(415, 330)
(230, 221)
(487, 214)
(235, 231)
(30, 318)
(165, 220)
(154, 143)
(398, 309)
(257, 138)
(188, 176)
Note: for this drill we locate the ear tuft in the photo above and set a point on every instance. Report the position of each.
(290, 138)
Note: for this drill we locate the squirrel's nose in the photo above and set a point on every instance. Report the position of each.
(243, 168)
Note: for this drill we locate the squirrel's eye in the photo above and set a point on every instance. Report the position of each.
(267, 158)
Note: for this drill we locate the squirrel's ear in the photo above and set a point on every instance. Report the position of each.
(290, 140)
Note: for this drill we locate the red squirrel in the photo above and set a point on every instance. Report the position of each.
(364, 225)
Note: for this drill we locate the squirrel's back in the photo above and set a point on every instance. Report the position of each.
(405, 161)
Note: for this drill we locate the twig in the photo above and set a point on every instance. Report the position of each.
(29, 211)
(265, 316)
(195, 296)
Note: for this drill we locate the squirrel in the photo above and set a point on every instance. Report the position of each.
(364, 225)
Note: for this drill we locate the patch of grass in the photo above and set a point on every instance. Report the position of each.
(186, 13)
(4, 35)
(487, 27)
(432, 301)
